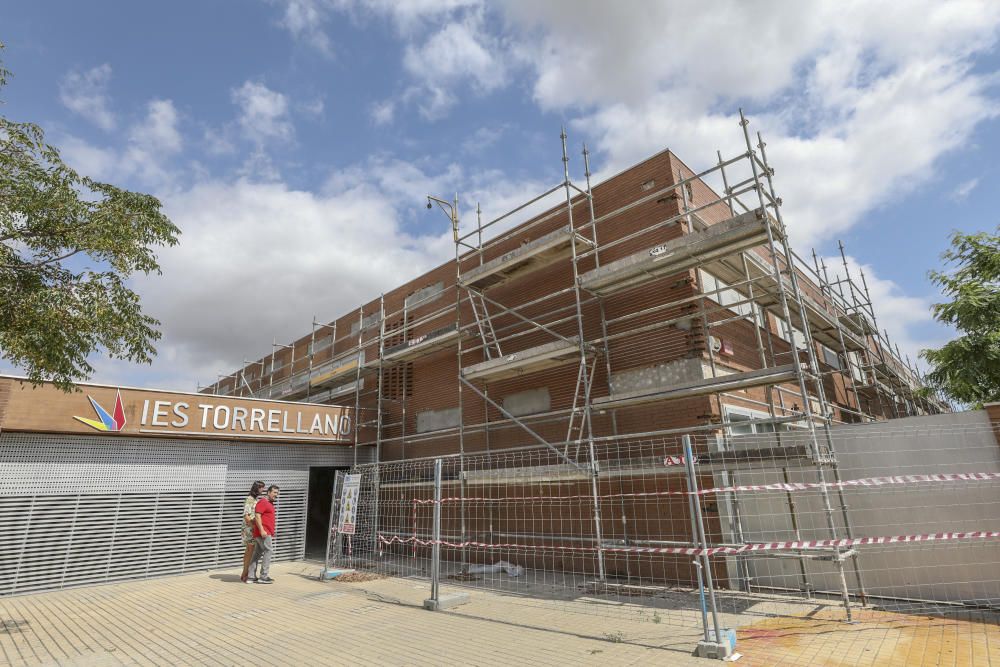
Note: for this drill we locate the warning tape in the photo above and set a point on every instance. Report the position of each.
(710, 551)
(777, 486)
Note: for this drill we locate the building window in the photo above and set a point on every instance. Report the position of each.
(320, 344)
(830, 358)
(744, 421)
(367, 323)
(723, 294)
(854, 362)
(782, 326)
(424, 295)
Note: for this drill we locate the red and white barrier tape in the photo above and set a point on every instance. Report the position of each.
(778, 486)
(697, 551)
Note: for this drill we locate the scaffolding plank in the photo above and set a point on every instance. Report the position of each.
(438, 339)
(790, 456)
(541, 357)
(743, 380)
(858, 323)
(529, 257)
(822, 324)
(341, 368)
(825, 326)
(689, 251)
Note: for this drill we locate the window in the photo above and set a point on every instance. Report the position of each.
(723, 294)
(424, 295)
(854, 362)
(744, 421)
(782, 326)
(320, 344)
(367, 323)
(830, 358)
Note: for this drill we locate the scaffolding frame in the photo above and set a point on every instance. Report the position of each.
(747, 254)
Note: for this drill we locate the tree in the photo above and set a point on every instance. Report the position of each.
(967, 369)
(68, 245)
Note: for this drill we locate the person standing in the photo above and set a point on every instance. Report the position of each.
(263, 535)
(248, 521)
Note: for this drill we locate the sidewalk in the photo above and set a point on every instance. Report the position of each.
(213, 619)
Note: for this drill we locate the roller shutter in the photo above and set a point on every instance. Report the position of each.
(81, 510)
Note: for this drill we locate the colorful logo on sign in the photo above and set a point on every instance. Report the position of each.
(107, 422)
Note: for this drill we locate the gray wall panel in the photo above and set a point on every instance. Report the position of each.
(86, 510)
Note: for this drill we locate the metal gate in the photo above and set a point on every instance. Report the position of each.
(86, 510)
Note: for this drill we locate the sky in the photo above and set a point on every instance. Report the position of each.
(294, 141)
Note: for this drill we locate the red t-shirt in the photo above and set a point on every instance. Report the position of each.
(266, 511)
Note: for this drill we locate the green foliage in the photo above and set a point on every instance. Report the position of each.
(968, 368)
(67, 246)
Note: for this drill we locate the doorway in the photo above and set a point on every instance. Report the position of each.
(318, 511)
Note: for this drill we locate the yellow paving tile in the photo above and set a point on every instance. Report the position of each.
(213, 619)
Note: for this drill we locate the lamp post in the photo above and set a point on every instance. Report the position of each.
(450, 209)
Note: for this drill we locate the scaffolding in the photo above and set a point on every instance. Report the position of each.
(710, 290)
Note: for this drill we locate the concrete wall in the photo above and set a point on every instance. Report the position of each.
(968, 571)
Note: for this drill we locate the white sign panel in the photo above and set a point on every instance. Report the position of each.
(349, 504)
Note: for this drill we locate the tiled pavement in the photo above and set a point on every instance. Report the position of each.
(212, 619)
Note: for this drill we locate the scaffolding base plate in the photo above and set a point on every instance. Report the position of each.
(717, 650)
(446, 601)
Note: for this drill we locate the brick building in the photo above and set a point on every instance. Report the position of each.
(562, 356)
(686, 324)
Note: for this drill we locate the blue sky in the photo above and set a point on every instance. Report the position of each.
(293, 141)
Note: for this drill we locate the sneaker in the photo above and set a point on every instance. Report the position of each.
(264, 580)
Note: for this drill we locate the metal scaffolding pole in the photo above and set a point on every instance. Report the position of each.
(810, 351)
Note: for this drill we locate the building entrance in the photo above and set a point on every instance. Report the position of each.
(318, 511)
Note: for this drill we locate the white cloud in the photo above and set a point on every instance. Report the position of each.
(150, 142)
(263, 113)
(963, 189)
(856, 104)
(158, 132)
(219, 140)
(382, 113)
(483, 138)
(305, 20)
(314, 108)
(460, 52)
(447, 45)
(407, 15)
(257, 260)
(86, 93)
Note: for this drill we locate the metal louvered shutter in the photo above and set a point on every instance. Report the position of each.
(80, 510)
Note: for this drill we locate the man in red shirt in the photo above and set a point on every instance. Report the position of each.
(263, 535)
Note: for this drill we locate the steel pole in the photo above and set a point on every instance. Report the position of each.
(436, 546)
(700, 525)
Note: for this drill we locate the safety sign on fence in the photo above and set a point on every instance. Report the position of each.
(349, 504)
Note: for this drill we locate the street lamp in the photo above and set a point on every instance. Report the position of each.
(450, 209)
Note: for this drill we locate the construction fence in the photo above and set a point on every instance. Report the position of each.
(900, 517)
